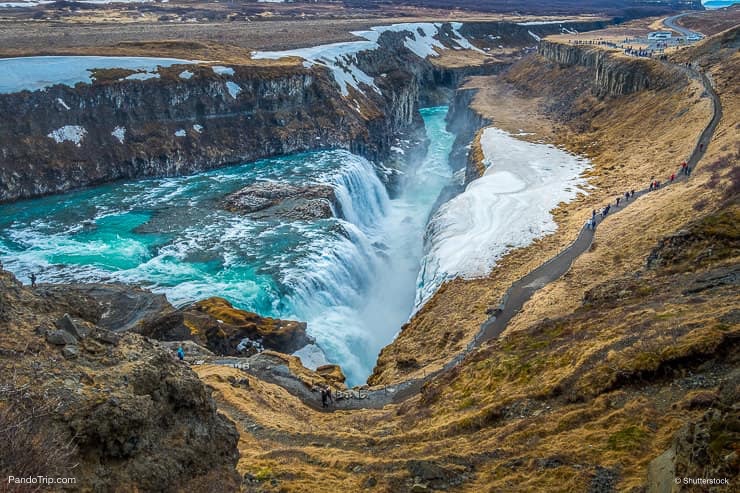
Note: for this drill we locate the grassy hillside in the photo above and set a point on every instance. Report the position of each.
(632, 353)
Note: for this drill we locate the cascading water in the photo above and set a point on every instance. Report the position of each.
(351, 278)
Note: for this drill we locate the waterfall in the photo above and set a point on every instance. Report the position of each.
(361, 196)
(331, 285)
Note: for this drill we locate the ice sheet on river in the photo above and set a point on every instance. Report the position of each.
(508, 207)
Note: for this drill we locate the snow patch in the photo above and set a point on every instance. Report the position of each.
(233, 89)
(61, 102)
(508, 207)
(39, 72)
(71, 133)
(119, 133)
(186, 74)
(542, 23)
(198, 128)
(143, 76)
(180, 133)
(537, 38)
(221, 70)
(341, 58)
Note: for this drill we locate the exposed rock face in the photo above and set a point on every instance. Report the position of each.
(170, 126)
(137, 418)
(266, 199)
(121, 307)
(332, 373)
(704, 448)
(612, 75)
(218, 326)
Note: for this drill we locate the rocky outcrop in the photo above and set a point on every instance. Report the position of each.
(332, 374)
(464, 122)
(511, 34)
(212, 323)
(269, 200)
(613, 75)
(702, 449)
(170, 125)
(118, 413)
(215, 324)
(117, 307)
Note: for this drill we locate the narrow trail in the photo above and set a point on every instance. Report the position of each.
(520, 291)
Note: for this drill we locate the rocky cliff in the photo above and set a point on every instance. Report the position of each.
(64, 137)
(613, 74)
(114, 412)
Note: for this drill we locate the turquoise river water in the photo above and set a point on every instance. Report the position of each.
(352, 279)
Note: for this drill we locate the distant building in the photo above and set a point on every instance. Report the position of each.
(659, 35)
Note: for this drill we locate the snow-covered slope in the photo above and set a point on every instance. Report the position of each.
(38, 72)
(508, 207)
(341, 58)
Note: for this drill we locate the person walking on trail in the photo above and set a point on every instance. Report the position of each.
(593, 214)
(180, 353)
(324, 398)
(673, 177)
(328, 395)
(683, 167)
(618, 201)
(33, 280)
(632, 193)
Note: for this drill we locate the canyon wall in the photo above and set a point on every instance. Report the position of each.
(613, 73)
(62, 138)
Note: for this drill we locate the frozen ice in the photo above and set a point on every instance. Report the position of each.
(508, 207)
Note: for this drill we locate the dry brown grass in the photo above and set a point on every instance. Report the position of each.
(628, 147)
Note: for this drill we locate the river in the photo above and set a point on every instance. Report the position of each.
(352, 279)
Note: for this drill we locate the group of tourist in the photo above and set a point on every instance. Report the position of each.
(654, 185)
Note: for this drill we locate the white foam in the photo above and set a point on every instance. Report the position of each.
(508, 207)
(180, 133)
(71, 133)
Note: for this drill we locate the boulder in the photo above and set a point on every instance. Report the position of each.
(332, 374)
(60, 338)
(70, 351)
(76, 328)
(217, 325)
(269, 200)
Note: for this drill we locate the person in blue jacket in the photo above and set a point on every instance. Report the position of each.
(180, 353)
